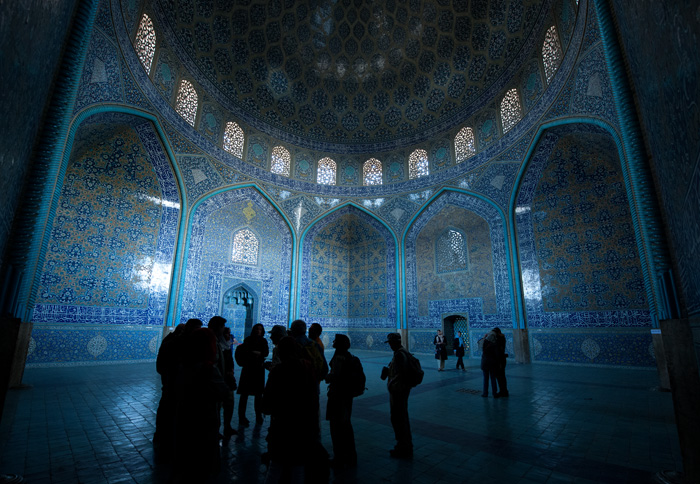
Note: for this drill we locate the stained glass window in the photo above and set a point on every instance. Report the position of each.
(511, 112)
(418, 164)
(464, 144)
(326, 172)
(372, 172)
(186, 103)
(280, 161)
(233, 139)
(551, 53)
(245, 247)
(451, 251)
(146, 42)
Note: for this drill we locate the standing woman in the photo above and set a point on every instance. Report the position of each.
(252, 381)
(440, 349)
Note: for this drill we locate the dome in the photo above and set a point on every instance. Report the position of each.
(352, 75)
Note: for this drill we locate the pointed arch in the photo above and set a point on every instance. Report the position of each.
(552, 53)
(280, 161)
(326, 172)
(187, 101)
(372, 172)
(145, 42)
(465, 144)
(511, 110)
(418, 164)
(234, 139)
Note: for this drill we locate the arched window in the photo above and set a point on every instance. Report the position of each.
(146, 42)
(551, 53)
(372, 172)
(280, 161)
(418, 164)
(326, 172)
(464, 144)
(186, 103)
(451, 251)
(245, 247)
(233, 139)
(511, 112)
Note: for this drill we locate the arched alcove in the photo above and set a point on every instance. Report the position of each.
(348, 276)
(583, 283)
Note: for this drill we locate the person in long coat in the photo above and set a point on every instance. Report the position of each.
(252, 380)
(440, 349)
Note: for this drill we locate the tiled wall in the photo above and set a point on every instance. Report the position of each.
(581, 271)
(210, 271)
(111, 249)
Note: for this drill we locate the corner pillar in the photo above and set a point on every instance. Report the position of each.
(521, 345)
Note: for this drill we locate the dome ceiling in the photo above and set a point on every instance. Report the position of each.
(350, 72)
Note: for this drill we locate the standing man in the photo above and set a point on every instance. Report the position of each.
(399, 388)
(458, 346)
(224, 362)
(502, 359)
(339, 407)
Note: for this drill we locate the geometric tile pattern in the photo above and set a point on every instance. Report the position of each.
(572, 275)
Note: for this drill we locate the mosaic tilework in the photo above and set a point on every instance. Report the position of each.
(111, 247)
(498, 314)
(593, 93)
(369, 306)
(101, 77)
(57, 345)
(397, 212)
(164, 71)
(666, 88)
(268, 84)
(497, 181)
(541, 312)
(624, 348)
(230, 176)
(476, 281)
(531, 86)
(209, 259)
(200, 177)
(301, 211)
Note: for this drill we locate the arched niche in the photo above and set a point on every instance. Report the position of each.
(482, 291)
(210, 270)
(582, 279)
(348, 276)
(103, 289)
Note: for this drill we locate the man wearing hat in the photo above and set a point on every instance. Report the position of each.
(399, 388)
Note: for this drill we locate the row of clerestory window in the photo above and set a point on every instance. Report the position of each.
(186, 104)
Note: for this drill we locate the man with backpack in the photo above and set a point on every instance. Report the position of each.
(400, 376)
(346, 380)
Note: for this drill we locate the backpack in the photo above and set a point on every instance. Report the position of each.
(356, 376)
(415, 372)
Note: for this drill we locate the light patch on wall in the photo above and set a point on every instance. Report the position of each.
(594, 88)
(198, 176)
(158, 201)
(497, 182)
(326, 202)
(420, 196)
(99, 73)
(531, 285)
(397, 213)
(299, 213)
(376, 203)
(521, 210)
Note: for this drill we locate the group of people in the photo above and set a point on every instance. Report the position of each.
(493, 359)
(458, 347)
(196, 365)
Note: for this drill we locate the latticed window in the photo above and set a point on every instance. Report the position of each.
(281, 160)
(146, 42)
(326, 172)
(233, 139)
(186, 103)
(372, 172)
(245, 247)
(451, 251)
(511, 112)
(551, 53)
(464, 144)
(418, 164)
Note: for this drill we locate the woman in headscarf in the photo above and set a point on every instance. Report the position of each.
(252, 381)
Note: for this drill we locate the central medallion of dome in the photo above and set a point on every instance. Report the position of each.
(350, 72)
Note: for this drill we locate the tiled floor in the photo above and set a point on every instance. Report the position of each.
(560, 424)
